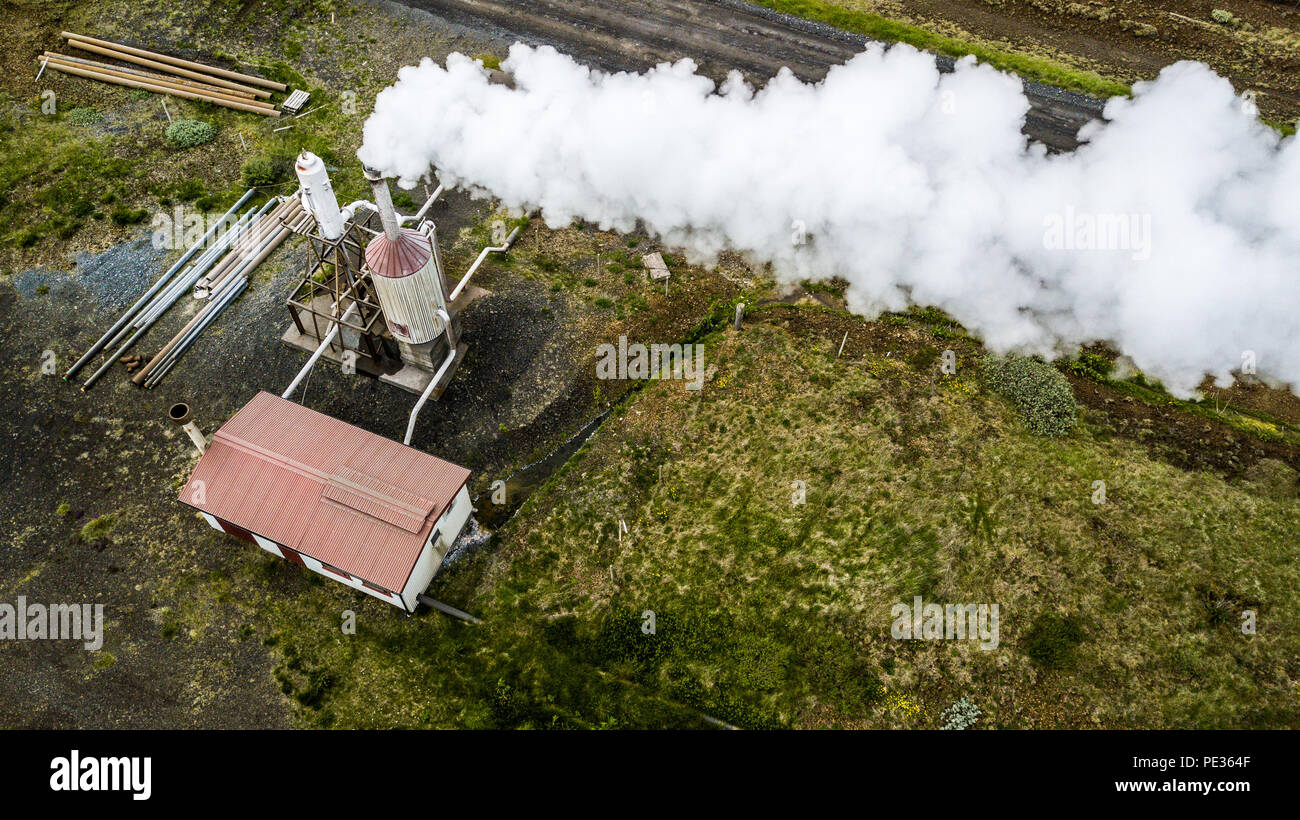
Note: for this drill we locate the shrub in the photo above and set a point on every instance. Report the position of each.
(98, 529)
(1039, 392)
(263, 171)
(128, 216)
(190, 133)
(189, 190)
(1090, 365)
(1051, 640)
(84, 116)
(961, 715)
(1224, 18)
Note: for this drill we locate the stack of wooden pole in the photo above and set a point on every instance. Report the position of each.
(227, 279)
(179, 78)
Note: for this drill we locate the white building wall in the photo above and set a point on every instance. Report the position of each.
(446, 531)
(352, 581)
(268, 545)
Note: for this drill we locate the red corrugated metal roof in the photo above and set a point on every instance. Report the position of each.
(337, 493)
(394, 259)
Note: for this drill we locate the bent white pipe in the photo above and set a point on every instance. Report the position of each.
(324, 343)
(419, 405)
(464, 280)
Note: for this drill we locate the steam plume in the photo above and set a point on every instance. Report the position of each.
(1173, 232)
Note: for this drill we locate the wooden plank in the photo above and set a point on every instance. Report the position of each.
(164, 67)
(177, 61)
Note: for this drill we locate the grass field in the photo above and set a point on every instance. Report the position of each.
(771, 613)
(882, 28)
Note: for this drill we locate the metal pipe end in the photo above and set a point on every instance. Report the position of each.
(180, 413)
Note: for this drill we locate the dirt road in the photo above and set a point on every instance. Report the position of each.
(720, 35)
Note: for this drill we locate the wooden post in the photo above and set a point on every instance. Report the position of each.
(740, 314)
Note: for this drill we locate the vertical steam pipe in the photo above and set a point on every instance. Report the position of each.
(384, 203)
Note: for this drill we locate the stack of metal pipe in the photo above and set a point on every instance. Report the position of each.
(225, 281)
(216, 268)
(166, 75)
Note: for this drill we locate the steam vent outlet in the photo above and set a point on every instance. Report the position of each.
(181, 414)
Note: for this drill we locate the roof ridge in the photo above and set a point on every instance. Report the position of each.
(269, 455)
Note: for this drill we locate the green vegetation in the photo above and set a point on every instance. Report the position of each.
(1038, 390)
(84, 116)
(261, 172)
(51, 178)
(1225, 18)
(490, 61)
(191, 133)
(1052, 640)
(894, 31)
(128, 216)
(961, 715)
(769, 612)
(98, 529)
(1090, 364)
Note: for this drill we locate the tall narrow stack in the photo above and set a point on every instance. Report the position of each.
(178, 77)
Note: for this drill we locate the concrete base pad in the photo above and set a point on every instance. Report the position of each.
(397, 373)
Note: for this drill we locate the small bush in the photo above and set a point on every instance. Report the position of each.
(98, 529)
(262, 171)
(84, 116)
(1052, 639)
(191, 133)
(189, 190)
(1225, 18)
(489, 61)
(128, 216)
(1090, 365)
(961, 715)
(1038, 390)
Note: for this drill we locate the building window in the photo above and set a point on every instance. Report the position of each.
(335, 571)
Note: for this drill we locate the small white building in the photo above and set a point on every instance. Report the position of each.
(353, 506)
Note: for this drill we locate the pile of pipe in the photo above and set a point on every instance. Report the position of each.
(216, 271)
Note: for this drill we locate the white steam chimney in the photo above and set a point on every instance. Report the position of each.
(318, 195)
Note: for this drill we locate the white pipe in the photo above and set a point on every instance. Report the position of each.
(329, 337)
(464, 280)
(437, 377)
(350, 210)
(153, 291)
(196, 436)
(424, 209)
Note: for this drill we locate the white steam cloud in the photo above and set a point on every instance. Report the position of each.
(1173, 232)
